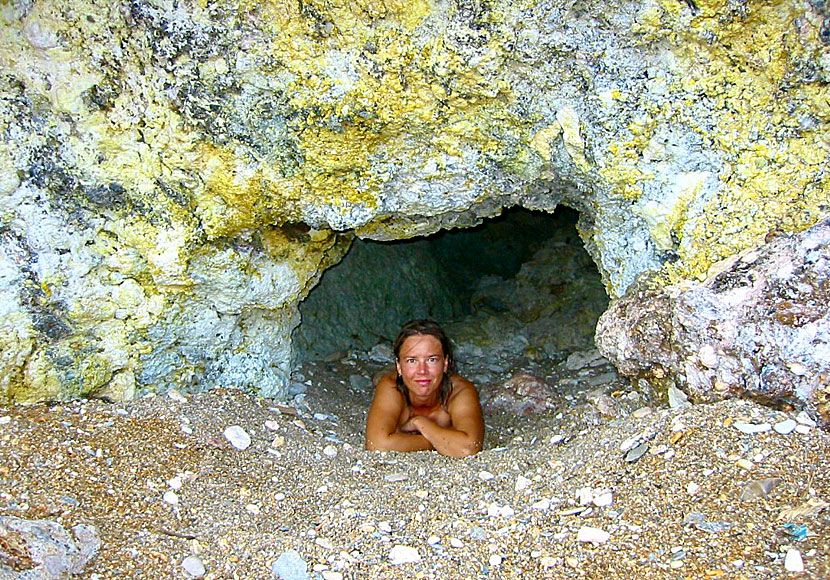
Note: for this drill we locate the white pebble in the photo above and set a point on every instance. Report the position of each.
(495, 560)
(522, 483)
(170, 497)
(750, 428)
(785, 427)
(175, 483)
(802, 429)
(404, 555)
(385, 527)
(805, 419)
(332, 575)
(593, 535)
(433, 540)
(252, 509)
(584, 495)
(194, 566)
(176, 396)
(604, 499)
(456, 543)
(330, 451)
(556, 439)
(237, 437)
(485, 475)
(793, 561)
(5, 420)
(692, 488)
(542, 504)
(272, 425)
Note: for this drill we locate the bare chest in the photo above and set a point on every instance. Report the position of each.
(436, 414)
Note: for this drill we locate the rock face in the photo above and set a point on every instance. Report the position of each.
(758, 326)
(176, 175)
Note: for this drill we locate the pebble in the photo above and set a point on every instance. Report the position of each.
(677, 398)
(495, 560)
(330, 451)
(272, 425)
(404, 555)
(542, 504)
(785, 427)
(253, 509)
(385, 527)
(593, 535)
(635, 453)
(175, 483)
(456, 543)
(176, 396)
(744, 464)
(290, 566)
(395, 477)
(194, 566)
(793, 561)
(522, 483)
(485, 475)
(802, 429)
(556, 439)
(805, 419)
(5, 420)
(692, 488)
(433, 540)
(170, 497)
(331, 575)
(750, 428)
(603, 499)
(238, 437)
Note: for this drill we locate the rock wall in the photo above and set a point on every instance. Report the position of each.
(175, 176)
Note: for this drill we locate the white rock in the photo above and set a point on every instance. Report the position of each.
(805, 419)
(170, 497)
(542, 504)
(175, 483)
(385, 527)
(802, 429)
(495, 560)
(707, 356)
(404, 555)
(593, 535)
(750, 428)
(603, 499)
(176, 396)
(556, 439)
(253, 509)
(194, 566)
(238, 437)
(456, 543)
(692, 488)
(793, 561)
(330, 451)
(522, 483)
(785, 427)
(5, 420)
(584, 495)
(433, 540)
(485, 475)
(677, 398)
(332, 575)
(272, 425)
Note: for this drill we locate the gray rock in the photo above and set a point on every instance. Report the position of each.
(43, 549)
(290, 566)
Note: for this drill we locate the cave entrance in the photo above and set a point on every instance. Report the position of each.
(519, 285)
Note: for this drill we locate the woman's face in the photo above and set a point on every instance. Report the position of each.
(422, 364)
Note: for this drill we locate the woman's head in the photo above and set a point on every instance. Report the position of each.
(415, 330)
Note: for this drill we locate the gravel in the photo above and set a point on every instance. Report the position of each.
(550, 496)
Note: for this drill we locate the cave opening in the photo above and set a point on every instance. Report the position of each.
(521, 284)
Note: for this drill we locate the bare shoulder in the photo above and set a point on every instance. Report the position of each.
(462, 390)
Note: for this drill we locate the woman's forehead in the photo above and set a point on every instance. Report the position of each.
(421, 344)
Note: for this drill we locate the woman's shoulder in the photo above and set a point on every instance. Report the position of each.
(461, 385)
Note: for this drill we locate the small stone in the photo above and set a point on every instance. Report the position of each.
(176, 396)
(603, 499)
(332, 575)
(547, 561)
(802, 429)
(692, 488)
(751, 428)
(385, 527)
(707, 356)
(238, 437)
(272, 425)
(290, 566)
(485, 475)
(395, 477)
(592, 535)
(635, 453)
(456, 543)
(175, 483)
(744, 464)
(793, 561)
(522, 483)
(805, 419)
(324, 543)
(495, 560)
(785, 427)
(557, 439)
(433, 540)
(170, 497)
(542, 504)
(330, 451)
(194, 566)
(642, 412)
(252, 509)
(5, 420)
(404, 555)
(584, 495)
(677, 398)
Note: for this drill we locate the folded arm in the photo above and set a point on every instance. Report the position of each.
(466, 435)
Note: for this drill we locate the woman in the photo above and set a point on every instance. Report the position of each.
(425, 406)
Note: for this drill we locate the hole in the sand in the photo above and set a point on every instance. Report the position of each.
(518, 295)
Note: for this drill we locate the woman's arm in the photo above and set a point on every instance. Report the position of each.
(382, 423)
(466, 436)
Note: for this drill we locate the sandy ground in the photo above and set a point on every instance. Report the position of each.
(160, 482)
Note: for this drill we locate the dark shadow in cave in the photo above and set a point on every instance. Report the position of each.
(524, 277)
